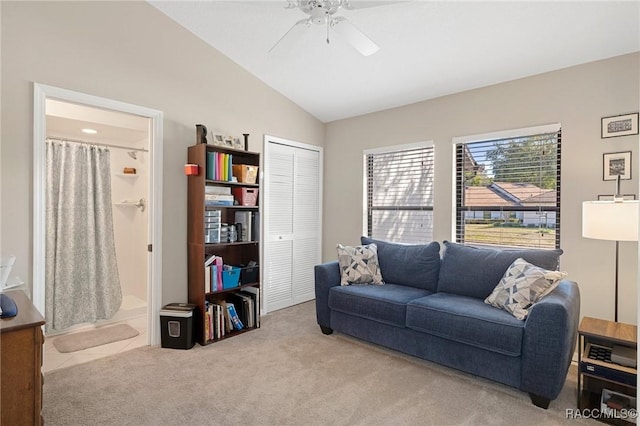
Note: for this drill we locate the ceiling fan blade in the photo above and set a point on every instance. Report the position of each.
(296, 29)
(354, 36)
(362, 4)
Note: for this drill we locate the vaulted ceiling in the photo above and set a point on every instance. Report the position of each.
(427, 48)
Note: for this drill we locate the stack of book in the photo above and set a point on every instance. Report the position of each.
(217, 196)
(219, 166)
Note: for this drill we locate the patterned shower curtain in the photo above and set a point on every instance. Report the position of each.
(82, 282)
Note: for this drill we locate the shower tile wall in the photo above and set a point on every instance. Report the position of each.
(130, 224)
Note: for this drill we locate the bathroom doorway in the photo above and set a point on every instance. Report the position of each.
(131, 137)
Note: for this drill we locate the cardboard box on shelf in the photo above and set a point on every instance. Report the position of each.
(245, 173)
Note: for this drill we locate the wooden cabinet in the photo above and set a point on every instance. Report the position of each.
(597, 374)
(21, 342)
(237, 253)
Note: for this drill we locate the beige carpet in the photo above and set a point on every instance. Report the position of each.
(96, 337)
(286, 373)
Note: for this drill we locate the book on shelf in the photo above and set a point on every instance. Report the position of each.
(235, 319)
(211, 166)
(255, 292)
(244, 219)
(207, 272)
(207, 317)
(216, 203)
(207, 279)
(244, 307)
(227, 324)
(221, 321)
(217, 190)
(218, 273)
(218, 197)
(255, 226)
(213, 274)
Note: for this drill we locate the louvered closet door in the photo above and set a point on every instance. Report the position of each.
(292, 224)
(306, 224)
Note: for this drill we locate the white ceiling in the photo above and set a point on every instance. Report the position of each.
(66, 120)
(427, 48)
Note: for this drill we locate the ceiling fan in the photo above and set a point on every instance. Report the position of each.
(323, 12)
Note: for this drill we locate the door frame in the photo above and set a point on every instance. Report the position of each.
(268, 140)
(41, 93)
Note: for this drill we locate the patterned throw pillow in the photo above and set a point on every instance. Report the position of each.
(359, 265)
(522, 286)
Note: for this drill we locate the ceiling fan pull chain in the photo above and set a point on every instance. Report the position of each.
(328, 24)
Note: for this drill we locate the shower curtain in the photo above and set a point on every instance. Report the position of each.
(82, 282)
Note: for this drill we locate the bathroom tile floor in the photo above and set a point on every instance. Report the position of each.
(54, 360)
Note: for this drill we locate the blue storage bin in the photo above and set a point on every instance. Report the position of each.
(231, 278)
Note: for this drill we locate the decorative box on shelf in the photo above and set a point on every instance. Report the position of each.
(245, 173)
(246, 196)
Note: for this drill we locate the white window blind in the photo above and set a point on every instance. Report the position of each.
(400, 195)
(508, 191)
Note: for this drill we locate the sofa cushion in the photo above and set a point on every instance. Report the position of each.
(475, 272)
(415, 265)
(386, 303)
(466, 320)
(359, 265)
(522, 286)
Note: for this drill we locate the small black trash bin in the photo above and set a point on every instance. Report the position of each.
(176, 326)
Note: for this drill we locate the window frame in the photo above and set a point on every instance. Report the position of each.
(458, 209)
(366, 215)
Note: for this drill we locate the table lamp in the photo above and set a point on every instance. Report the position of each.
(615, 220)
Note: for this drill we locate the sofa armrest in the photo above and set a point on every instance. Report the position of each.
(327, 275)
(549, 342)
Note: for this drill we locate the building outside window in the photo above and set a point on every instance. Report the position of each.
(508, 189)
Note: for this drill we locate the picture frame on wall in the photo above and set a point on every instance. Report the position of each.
(616, 164)
(619, 125)
(609, 197)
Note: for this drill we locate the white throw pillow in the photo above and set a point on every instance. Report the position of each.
(359, 265)
(522, 286)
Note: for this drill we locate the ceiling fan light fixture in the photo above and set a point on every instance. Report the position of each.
(321, 12)
(319, 16)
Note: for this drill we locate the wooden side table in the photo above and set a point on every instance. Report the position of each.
(21, 342)
(597, 373)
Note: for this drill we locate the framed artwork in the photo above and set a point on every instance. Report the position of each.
(609, 197)
(616, 164)
(620, 125)
(218, 140)
(237, 144)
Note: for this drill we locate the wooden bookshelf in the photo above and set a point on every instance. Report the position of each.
(233, 253)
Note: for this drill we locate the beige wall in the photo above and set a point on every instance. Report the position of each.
(576, 97)
(130, 52)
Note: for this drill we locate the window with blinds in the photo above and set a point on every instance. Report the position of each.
(400, 194)
(508, 191)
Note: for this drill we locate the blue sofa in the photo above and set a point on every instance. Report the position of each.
(433, 308)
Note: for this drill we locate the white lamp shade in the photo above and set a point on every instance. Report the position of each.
(610, 220)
